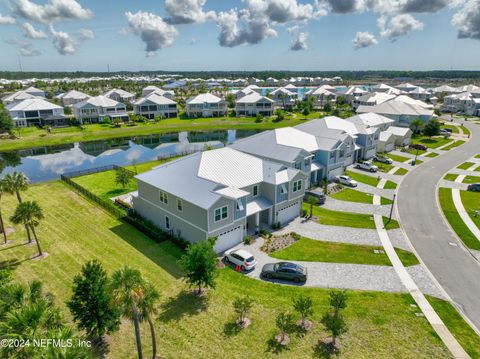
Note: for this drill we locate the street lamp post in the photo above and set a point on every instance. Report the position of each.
(391, 208)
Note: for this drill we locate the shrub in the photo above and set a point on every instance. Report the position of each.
(296, 236)
(304, 212)
(247, 240)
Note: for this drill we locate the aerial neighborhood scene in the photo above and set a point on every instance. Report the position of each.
(231, 179)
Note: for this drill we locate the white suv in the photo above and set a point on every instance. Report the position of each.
(241, 258)
(346, 180)
(367, 166)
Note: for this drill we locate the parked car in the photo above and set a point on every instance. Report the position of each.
(475, 187)
(447, 130)
(318, 194)
(383, 159)
(444, 132)
(367, 166)
(286, 271)
(418, 146)
(346, 180)
(242, 258)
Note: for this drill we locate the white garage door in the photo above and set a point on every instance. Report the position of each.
(389, 147)
(336, 172)
(349, 160)
(370, 153)
(288, 213)
(229, 239)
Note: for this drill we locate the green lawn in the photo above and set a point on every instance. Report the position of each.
(465, 165)
(383, 167)
(346, 219)
(397, 157)
(351, 195)
(359, 177)
(477, 156)
(433, 142)
(413, 151)
(432, 154)
(103, 184)
(390, 185)
(385, 201)
(450, 177)
(471, 202)
(446, 202)
(76, 230)
(471, 179)
(465, 335)
(311, 250)
(401, 172)
(453, 145)
(452, 127)
(466, 131)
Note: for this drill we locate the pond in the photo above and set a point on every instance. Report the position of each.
(42, 164)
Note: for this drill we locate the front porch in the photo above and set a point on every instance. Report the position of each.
(259, 215)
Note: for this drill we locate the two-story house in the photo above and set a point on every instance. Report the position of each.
(151, 89)
(321, 96)
(155, 105)
(205, 105)
(36, 112)
(120, 95)
(72, 97)
(284, 98)
(96, 109)
(254, 104)
(220, 193)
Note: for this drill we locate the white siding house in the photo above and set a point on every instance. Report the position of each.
(120, 95)
(254, 104)
(206, 105)
(155, 105)
(96, 109)
(36, 112)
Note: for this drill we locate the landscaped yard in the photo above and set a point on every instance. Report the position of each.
(471, 202)
(452, 127)
(103, 184)
(450, 177)
(465, 165)
(397, 157)
(347, 219)
(446, 202)
(433, 142)
(372, 181)
(390, 185)
(311, 250)
(351, 195)
(383, 167)
(453, 145)
(76, 230)
(432, 154)
(401, 172)
(471, 179)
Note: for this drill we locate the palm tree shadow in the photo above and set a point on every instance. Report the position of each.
(274, 347)
(11, 264)
(184, 304)
(323, 350)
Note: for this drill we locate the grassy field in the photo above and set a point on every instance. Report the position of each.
(453, 145)
(103, 184)
(450, 177)
(432, 154)
(452, 127)
(380, 324)
(477, 156)
(465, 165)
(401, 172)
(471, 179)
(446, 202)
(433, 142)
(351, 195)
(397, 157)
(312, 250)
(372, 181)
(466, 131)
(347, 219)
(471, 202)
(33, 137)
(390, 185)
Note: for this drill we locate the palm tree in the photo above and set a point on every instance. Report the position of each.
(312, 201)
(416, 125)
(2, 226)
(29, 213)
(15, 183)
(127, 292)
(147, 309)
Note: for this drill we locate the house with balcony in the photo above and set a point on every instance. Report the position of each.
(284, 98)
(222, 193)
(97, 109)
(151, 89)
(322, 96)
(37, 112)
(155, 105)
(205, 105)
(120, 95)
(372, 99)
(254, 104)
(72, 97)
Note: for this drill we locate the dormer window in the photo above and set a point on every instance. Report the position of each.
(239, 205)
(283, 188)
(255, 191)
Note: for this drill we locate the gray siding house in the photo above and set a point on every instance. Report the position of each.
(220, 193)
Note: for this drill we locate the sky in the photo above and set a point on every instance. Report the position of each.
(209, 35)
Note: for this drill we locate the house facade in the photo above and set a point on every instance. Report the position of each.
(72, 97)
(220, 193)
(36, 112)
(97, 109)
(120, 95)
(155, 105)
(206, 105)
(284, 98)
(321, 96)
(254, 104)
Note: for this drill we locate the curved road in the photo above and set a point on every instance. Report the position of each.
(452, 266)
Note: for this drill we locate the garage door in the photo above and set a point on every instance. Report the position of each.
(406, 141)
(389, 147)
(229, 239)
(349, 160)
(289, 213)
(370, 153)
(336, 172)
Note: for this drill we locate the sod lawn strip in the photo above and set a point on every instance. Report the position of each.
(477, 156)
(465, 165)
(76, 230)
(372, 181)
(471, 179)
(453, 145)
(401, 172)
(383, 167)
(413, 151)
(471, 202)
(450, 177)
(351, 195)
(346, 219)
(433, 142)
(398, 158)
(456, 222)
(452, 127)
(466, 131)
(390, 185)
(432, 154)
(311, 250)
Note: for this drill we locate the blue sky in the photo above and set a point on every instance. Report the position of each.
(298, 35)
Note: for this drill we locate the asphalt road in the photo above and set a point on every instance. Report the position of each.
(452, 266)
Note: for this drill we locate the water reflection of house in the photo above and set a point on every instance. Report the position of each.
(95, 148)
(208, 136)
(36, 151)
(153, 141)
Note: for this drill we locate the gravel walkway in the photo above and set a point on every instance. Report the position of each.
(355, 207)
(451, 184)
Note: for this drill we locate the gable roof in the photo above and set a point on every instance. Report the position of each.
(370, 119)
(120, 92)
(399, 131)
(155, 98)
(254, 97)
(204, 98)
(19, 96)
(33, 104)
(396, 108)
(98, 101)
(74, 94)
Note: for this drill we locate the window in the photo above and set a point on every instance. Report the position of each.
(307, 162)
(239, 205)
(283, 188)
(332, 154)
(163, 197)
(221, 213)
(255, 191)
(297, 185)
(342, 153)
(179, 205)
(298, 165)
(167, 222)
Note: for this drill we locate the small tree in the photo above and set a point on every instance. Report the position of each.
(29, 213)
(199, 264)
(283, 322)
(432, 128)
(327, 107)
(242, 306)
(123, 177)
(333, 320)
(304, 306)
(91, 302)
(416, 125)
(6, 123)
(311, 200)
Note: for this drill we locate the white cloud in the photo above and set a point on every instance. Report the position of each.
(152, 29)
(187, 11)
(280, 11)
(7, 20)
(124, 31)
(53, 10)
(299, 39)
(364, 39)
(344, 6)
(30, 32)
(67, 44)
(467, 20)
(25, 47)
(399, 25)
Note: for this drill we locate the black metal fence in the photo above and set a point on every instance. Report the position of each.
(90, 171)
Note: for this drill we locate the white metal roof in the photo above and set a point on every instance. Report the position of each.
(231, 192)
(399, 131)
(257, 205)
(155, 98)
(98, 101)
(33, 104)
(386, 136)
(290, 136)
(370, 119)
(254, 97)
(74, 94)
(120, 92)
(204, 98)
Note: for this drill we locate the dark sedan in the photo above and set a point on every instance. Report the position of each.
(285, 271)
(475, 187)
(418, 146)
